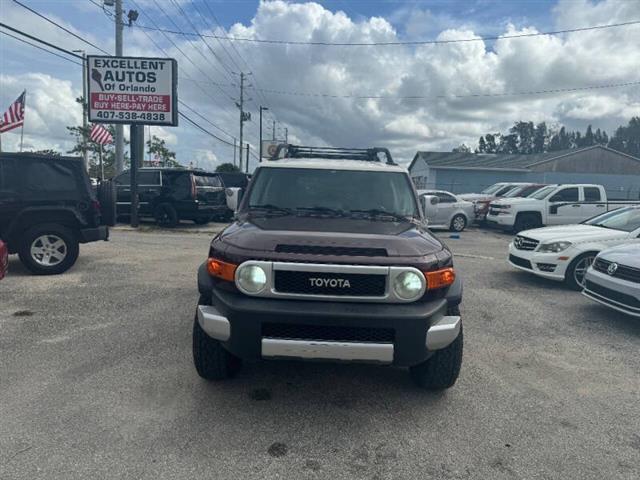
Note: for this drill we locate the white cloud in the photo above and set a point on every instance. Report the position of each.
(440, 72)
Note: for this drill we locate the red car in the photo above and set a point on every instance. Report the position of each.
(4, 259)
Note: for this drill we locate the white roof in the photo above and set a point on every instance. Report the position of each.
(331, 164)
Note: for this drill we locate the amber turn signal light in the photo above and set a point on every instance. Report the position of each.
(440, 278)
(223, 270)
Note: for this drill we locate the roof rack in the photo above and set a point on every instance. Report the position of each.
(333, 153)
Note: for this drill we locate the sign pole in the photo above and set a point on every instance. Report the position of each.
(24, 107)
(246, 166)
(134, 133)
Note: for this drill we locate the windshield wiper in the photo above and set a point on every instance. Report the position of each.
(321, 210)
(271, 209)
(376, 213)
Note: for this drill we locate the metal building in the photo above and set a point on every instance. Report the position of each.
(472, 172)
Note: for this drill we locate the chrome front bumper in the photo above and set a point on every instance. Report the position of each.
(440, 335)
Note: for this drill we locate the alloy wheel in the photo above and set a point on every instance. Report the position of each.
(48, 250)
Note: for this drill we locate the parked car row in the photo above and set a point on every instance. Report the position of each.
(599, 257)
(170, 195)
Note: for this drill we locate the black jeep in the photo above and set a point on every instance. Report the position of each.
(47, 208)
(172, 194)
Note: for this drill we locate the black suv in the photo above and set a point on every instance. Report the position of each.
(47, 208)
(173, 194)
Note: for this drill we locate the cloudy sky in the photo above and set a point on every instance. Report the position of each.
(329, 77)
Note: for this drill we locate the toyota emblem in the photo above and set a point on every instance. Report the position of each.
(613, 268)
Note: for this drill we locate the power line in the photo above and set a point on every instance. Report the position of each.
(60, 49)
(409, 42)
(40, 48)
(205, 119)
(61, 27)
(78, 56)
(198, 126)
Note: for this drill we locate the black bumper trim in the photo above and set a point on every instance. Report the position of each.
(94, 234)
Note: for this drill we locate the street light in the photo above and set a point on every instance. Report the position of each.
(261, 109)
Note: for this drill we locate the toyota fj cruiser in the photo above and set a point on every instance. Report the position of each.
(47, 208)
(330, 258)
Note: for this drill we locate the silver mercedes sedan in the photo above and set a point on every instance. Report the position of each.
(453, 213)
(614, 279)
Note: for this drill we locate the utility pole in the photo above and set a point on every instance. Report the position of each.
(261, 110)
(246, 166)
(274, 130)
(286, 135)
(119, 128)
(234, 151)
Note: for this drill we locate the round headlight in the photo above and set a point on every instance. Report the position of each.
(251, 279)
(408, 285)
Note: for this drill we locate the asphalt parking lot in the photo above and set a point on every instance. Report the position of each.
(96, 381)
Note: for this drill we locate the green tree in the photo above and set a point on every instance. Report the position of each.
(158, 149)
(589, 138)
(492, 142)
(482, 146)
(81, 135)
(227, 168)
(627, 139)
(540, 138)
(47, 151)
(508, 143)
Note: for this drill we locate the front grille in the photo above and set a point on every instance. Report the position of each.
(323, 332)
(525, 243)
(521, 262)
(329, 250)
(325, 283)
(623, 272)
(546, 267)
(613, 294)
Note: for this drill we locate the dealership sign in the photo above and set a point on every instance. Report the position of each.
(132, 90)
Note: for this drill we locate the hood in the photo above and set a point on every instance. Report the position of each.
(574, 234)
(474, 197)
(265, 234)
(515, 201)
(628, 255)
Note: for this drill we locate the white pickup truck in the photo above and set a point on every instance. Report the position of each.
(551, 205)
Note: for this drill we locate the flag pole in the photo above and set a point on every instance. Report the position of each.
(24, 108)
(101, 165)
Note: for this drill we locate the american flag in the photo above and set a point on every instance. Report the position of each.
(100, 135)
(14, 116)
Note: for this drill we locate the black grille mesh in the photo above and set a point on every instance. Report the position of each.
(613, 295)
(322, 332)
(360, 285)
(521, 262)
(329, 250)
(625, 273)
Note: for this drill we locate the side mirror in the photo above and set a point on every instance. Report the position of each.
(429, 204)
(234, 197)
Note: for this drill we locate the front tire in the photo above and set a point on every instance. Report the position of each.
(526, 221)
(458, 223)
(210, 358)
(443, 368)
(574, 277)
(166, 215)
(48, 249)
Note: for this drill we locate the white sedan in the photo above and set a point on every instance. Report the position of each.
(452, 213)
(564, 253)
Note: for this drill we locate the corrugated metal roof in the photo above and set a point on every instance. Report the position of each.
(486, 160)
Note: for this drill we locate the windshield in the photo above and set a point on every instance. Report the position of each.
(492, 188)
(341, 191)
(543, 193)
(514, 192)
(625, 219)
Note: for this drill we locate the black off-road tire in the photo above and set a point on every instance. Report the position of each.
(210, 358)
(442, 369)
(166, 215)
(569, 276)
(107, 199)
(53, 229)
(456, 226)
(526, 221)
